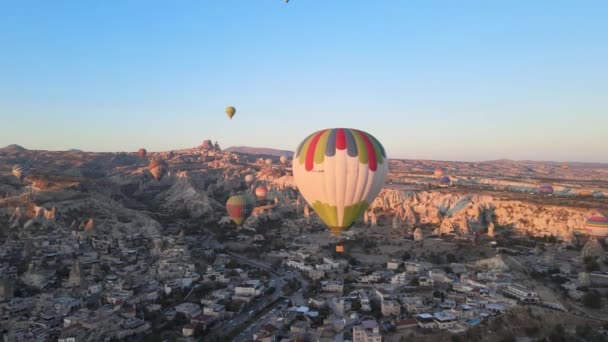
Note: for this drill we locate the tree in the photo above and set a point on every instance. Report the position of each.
(451, 257)
(591, 264)
(406, 256)
(592, 299)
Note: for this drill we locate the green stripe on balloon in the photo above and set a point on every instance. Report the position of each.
(361, 148)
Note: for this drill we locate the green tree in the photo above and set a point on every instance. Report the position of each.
(592, 299)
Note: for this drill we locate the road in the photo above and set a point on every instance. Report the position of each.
(226, 327)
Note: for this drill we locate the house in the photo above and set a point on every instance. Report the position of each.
(189, 329)
(215, 310)
(266, 333)
(249, 288)
(367, 331)
(333, 286)
(444, 320)
(390, 308)
(425, 321)
(203, 320)
(425, 281)
(393, 264)
(408, 323)
(521, 293)
(189, 309)
(413, 267)
(399, 279)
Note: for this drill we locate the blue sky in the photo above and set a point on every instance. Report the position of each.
(453, 80)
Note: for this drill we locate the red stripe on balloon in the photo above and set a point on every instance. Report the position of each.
(371, 151)
(310, 154)
(340, 139)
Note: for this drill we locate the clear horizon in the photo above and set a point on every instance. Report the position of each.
(432, 80)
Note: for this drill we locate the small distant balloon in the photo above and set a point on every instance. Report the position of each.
(158, 168)
(268, 162)
(249, 179)
(21, 171)
(261, 192)
(283, 160)
(545, 189)
(444, 180)
(438, 172)
(565, 166)
(142, 153)
(239, 208)
(230, 111)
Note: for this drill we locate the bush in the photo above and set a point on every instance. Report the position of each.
(592, 299)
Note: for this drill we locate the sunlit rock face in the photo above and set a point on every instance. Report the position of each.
(464, 214)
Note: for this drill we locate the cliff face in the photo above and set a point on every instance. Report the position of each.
(462, 214)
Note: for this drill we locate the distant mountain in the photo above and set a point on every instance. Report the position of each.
(14, 147)
(259, 151)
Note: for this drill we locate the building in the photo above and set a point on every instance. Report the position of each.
(393, 264)
(413, 267)
(367, 331)
(215, 310)
(444, 320)
(333, 286)
(408, 323)
(399, 279)
(189, 309)
(390, 308)
(521, 293)
(250, 288)
(425, 321)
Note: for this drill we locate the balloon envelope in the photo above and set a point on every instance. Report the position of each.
(230, 111)
(339, 172)
(438, 172)
(142, 153)
(444, 180)
(283, 159)
(239, 208)
(597, 226)
(261, 192)
(268, 161)
(20, 171)
(249, 179)
(158, 168)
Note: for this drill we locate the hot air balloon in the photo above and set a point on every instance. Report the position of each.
(597, 226)
(230, 111)
(340, 248)
(21, 171)
(438, 172)
(158, 168)
(249, 179)
(142, 153)
(261, 192)
(545, 189)
(565, 166)
(239, 208)
(268, 162)
(283, 160)
(339, 172)
(444, 180)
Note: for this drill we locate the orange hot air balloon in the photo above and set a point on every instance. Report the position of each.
(158, 168)
(261, 192)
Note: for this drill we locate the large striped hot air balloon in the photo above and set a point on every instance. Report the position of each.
(21, 171)
(444, 180)
(597, 226)
(158, 168)
(438, 172)
(230, 111)
(261, 192)
(142, 153)
(239, 208)
(339, 172)
(545, 189)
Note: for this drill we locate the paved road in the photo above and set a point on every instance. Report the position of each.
(225, 327)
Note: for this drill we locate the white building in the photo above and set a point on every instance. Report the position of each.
(250, 288)
(189, 309)
(393, 264)
(333, 286)
(521, 293)
(399, 279)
